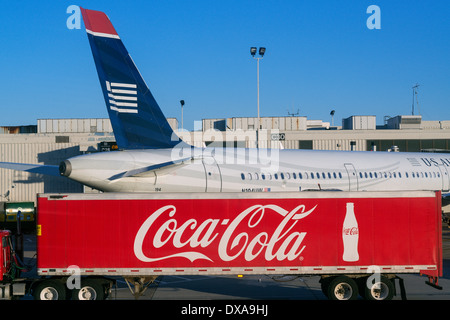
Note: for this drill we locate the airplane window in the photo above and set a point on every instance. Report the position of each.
(406, 174)
(256, 176)
(269, 176)
(242, 176)
(294, 175)
(282, 176)
(370, 174)
(439, 174)
(426, 175)
(395, 176)
(323, 175)
(334, 175)
(276, 176)
(263, 176)
(288, 175)
(399, 174)
(317, 175)
(249, 175)
(300, 175)
(340, 175)
(360, 175)
(329, 175)
(375, 174)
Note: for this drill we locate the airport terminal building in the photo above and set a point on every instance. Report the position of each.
(54, 140)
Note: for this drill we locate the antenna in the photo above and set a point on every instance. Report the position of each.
(415, 93)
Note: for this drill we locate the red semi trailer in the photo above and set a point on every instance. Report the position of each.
(358, 242)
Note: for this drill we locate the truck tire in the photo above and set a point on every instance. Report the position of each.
(342, 288)
(381, 290)
(91, 289)
(51, 289)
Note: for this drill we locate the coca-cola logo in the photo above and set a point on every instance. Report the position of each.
(230, 239)
(350, 231)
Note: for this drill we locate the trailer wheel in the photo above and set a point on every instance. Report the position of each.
(90, 289)
(381, 290)
(342, 288)
(50, 290)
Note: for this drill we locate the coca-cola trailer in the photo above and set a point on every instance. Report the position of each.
(358, 242)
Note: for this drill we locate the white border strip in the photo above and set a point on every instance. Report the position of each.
(318, 270)
(240, 195)
(104, 35)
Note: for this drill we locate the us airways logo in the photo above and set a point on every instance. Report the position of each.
(122, 97)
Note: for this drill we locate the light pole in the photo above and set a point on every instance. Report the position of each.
(262, 50)
(182, 104)
(332, 116)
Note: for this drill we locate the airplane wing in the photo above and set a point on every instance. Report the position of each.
(32, 168)
(166, 166)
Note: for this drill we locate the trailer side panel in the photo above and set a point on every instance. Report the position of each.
(301, 233)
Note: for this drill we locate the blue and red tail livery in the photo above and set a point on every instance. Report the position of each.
(136, 118)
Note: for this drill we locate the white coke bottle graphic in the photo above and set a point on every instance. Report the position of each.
(350, 235)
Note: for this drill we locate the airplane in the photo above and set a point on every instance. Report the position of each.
(153, 158)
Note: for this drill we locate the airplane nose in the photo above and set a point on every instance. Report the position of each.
(65, 168)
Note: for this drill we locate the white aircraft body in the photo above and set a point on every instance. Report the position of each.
(152, 158)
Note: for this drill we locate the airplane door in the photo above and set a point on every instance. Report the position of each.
(352, 177)
(445, 177)
(213, 175)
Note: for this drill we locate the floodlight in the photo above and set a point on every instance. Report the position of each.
(253, 51)
(262, 50)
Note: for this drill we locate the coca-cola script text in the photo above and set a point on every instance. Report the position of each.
(227, 237)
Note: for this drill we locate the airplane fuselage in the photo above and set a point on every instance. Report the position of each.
(258, 170)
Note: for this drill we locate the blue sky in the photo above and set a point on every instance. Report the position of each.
(320, 56)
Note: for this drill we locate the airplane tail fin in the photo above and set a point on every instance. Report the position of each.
(136, 118)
